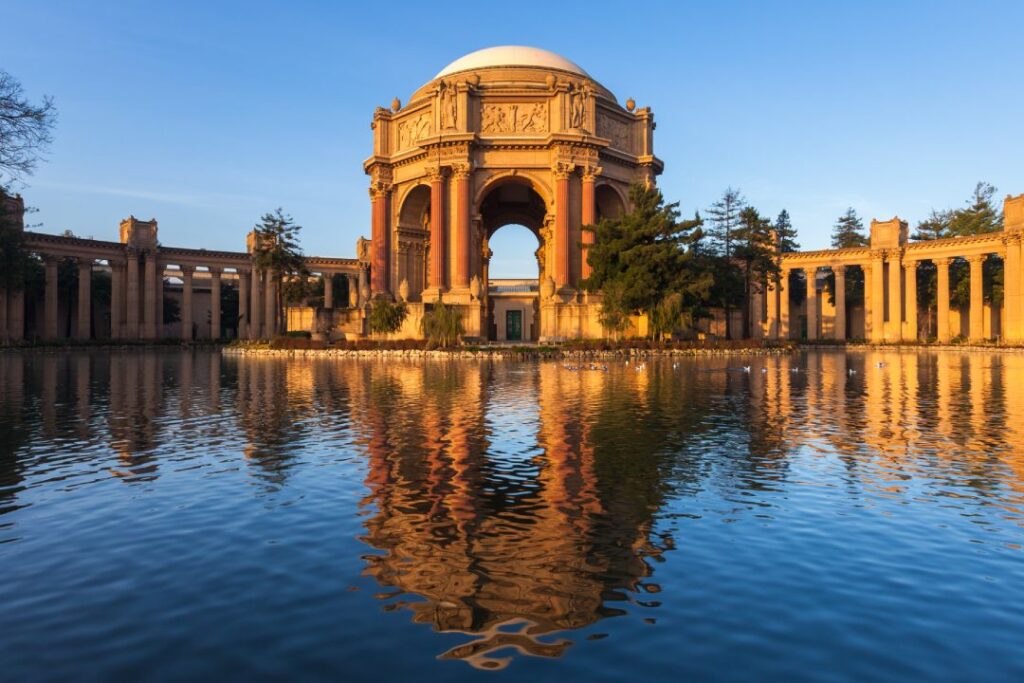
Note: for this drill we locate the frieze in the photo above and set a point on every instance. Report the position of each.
(414, 129)
(521, 118)
(615, 130)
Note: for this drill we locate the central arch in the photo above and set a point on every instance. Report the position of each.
(512, 311)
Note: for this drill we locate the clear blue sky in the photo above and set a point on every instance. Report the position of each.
(205, 115)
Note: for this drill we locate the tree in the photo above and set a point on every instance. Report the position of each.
(442, 324)
(848, 231)
(15, 260)
(277, 251)
(785, 233)
(935, 227)
(755, 251)
(724, 217)
(644, 256)
(26, 129)
(386, 317)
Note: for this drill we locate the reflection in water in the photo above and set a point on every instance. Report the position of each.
(517, 503)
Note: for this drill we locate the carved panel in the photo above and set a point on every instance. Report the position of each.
(615, 130)
(523, 118)
(414, 129)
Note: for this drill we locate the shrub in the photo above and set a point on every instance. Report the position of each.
(298, 334)
(386, 317)
(442, 325)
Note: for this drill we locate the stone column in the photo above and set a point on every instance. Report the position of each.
(437, 213)
(364, 286)
(270, 305)
(588, 214)
(328, 290)
(132, 292)
(215, 302)
(50, 299)
(910, 299)
(256, 306)
(562, 246)
(84, 298)
(772, 287)
(839, 326)
(116, 299)
(151, 293)
(942, 298)
(1012, 289)
(877, 298)
(895, 330)
(977, 324)
(784, 304)
(463, 229)
(381, 235)
(812, 302)
(243, 305)
(186, 302)
(16, 314)
(353, 291)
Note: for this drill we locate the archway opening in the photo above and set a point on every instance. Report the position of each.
(411, 240)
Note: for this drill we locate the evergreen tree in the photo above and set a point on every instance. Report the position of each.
(277, 251)
(848, 231)
(724, 217)
(980, 216)
(646, 256)
(935, 227)
(756, 253)
(785, 234)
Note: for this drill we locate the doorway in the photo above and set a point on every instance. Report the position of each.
(514, 325)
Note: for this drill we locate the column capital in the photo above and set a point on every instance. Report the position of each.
(877, 256)
(461, 170)
(187, 270)
(910, 264)
(944, 261)
(893, 254)
(215, 270)
(435, 173)
(562, 170)
(590, 172)
(976, 258)
(379, 189)
(83, 261)
(838, 268)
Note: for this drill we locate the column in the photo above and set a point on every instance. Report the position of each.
(1011, 289)
(364, 285)
(132, 292)
(353, 291)
(116, 299)
(16, 314)
(784, 304)
(463, 230)
(839, 326)
(3, 315)
(269, 305)
(877, 285)
(50, 299)
(150, 295)
(895, 297)
(977, 325)
(812, 303)
(589, 215)
(84, 298)
(243, 305)
(186, 302)
(562, 246)
(772, 287)
(215, 303)
(942, 298)
(381, 234)
(910, 299)
(437, 212)
(256, 306)
(328, 280)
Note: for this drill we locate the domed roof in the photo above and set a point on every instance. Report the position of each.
(511, 55)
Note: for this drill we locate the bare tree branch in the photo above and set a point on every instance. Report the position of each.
(26, 129)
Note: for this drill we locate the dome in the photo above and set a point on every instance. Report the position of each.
(511, 55)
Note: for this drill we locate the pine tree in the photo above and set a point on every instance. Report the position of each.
(755, 251)
(848, 231)
(935, 227)
(980, 216)
(646, 256)
(785, 234)
(277, 251)
(724, 217)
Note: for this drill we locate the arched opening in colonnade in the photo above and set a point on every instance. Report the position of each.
(412, 242)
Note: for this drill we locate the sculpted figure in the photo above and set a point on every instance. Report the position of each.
(577, 106)
(449, 107)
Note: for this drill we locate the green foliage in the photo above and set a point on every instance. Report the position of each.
(785, 233)
(442, 325)
(640, 258)
(277, 251)
(172, 310)
(755, 253)
(14, 257)
(386, 317)
(848, 231)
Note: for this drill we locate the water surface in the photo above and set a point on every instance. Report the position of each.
(169, 515)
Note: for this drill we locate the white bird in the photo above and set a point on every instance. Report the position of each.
(764, 370)
(794, 369)
(851, 371)
(746, 368)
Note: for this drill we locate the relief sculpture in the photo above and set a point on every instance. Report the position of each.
(524, 118)
(414, 129)
(614, 130)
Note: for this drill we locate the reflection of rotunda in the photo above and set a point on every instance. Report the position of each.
(506, 135)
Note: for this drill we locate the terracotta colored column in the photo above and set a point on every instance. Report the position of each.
(353, 291)
(812, 303)
(269, 305)
(150, 304)
(328, 280)
(1012, 289)
(562, 246)
(256, 306)
(215, 303)
(381, 235)
(84, 298)
(588, 215)
(784, 304)
(116, 299)
(877, 298)
(437, 213)
(942, 298)
(132, 291)
(243, 305)
(186, 302)
(772, 287)
(910, 299)
(977, 325)
(364, 284)
(839, 326)
(463, 229)
(50, 299)
(895, 329)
